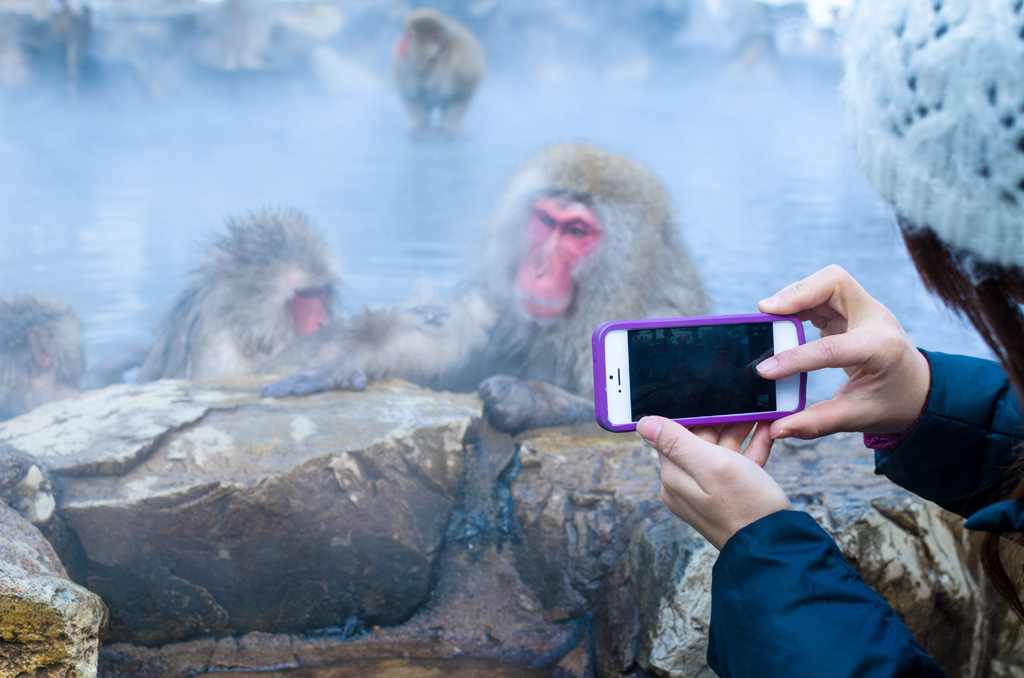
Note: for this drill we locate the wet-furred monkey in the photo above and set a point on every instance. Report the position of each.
(580, 236)
(40, 352)
(438, 64)
(267, 281)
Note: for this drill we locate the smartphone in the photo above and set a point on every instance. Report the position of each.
(699, 371)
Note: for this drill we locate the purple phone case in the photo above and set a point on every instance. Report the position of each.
(597, 346)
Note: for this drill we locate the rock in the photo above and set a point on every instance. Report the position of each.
(49, 626)
(578, 495)
(657, 604)
(107, 432)
(25, 485)
(207, 509)
(1007, 646)
(656, 607)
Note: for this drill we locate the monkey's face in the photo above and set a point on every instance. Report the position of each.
(309, 309)
(560, 236)
(420, 42)
(309, 303)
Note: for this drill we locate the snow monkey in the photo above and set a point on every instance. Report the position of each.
(438, 64)
(580, 236)
(40, 352)
(267, 281)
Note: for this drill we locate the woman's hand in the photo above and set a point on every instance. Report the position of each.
(889, 377)
(706, 483)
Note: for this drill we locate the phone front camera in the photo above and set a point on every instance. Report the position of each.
(611, 376)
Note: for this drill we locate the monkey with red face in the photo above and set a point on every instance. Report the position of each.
(438, 64)
(268, 281)
(580, 236)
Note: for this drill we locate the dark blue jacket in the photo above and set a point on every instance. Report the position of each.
(784, 600)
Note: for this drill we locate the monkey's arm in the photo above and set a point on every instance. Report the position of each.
(326, 363)
(419, 343)
(513, 405)
(343, 375)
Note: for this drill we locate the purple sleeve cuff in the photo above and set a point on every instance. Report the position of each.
(887, 442)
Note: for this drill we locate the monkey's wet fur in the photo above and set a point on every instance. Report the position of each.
(267, 281)
(438, 64)
(40, 352)
(579, 237)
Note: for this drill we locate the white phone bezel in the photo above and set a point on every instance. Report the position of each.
(617, 389)
(787, 391)
(616, 366)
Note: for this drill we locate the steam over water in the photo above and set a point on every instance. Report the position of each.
(108, 202)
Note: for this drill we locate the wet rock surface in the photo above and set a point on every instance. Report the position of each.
(25, 485)
(463, 667)
(479, 607)
(655, 609)
(208, 510)
(458, 667)
(577, 497)
(49, 626)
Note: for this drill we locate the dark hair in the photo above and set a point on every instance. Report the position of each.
(988, 296)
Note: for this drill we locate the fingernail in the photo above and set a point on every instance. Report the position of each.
(770, 301)
(649, 428)
(782, 434)
(768, 366)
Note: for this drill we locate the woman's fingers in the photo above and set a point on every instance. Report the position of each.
(692, 451)
(838, 350)
(692, 454)
(733, 435)
(727, 435)
(760, 445)
(822, 419)
(712, 488)
(672, 440)
(709, 434)
(831, 285)
(680, 483)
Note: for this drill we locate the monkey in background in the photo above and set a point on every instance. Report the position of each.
(267, 281)
(40, 352)
(580, 236)
(438, 64)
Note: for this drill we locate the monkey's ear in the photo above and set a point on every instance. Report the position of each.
(42, 352)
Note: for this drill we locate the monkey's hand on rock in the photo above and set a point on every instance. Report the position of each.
(339, 378)
(514, 405)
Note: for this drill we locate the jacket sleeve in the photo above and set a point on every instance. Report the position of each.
(784, 602)
(966, 439)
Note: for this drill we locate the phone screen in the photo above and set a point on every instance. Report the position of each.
(700, 370)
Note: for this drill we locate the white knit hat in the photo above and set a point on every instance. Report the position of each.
(935, 109)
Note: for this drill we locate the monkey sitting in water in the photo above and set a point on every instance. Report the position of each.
(580, 236)
(438, 64)
(266, 282)
(40, 352)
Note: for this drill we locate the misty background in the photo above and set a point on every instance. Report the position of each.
(129, 131)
